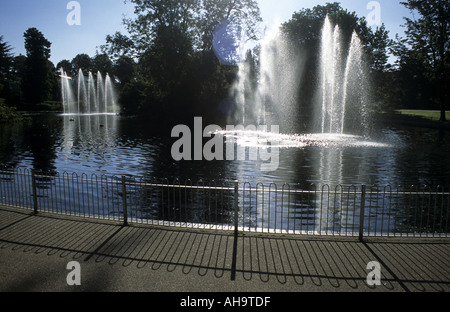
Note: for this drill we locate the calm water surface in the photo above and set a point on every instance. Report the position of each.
(115, 145)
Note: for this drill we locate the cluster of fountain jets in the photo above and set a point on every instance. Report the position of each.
(341, 94)
(88, 95)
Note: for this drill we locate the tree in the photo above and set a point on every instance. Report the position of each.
(379, 44)
(169, 55)
(39, 80)
(102, 63)
(152, 17)
(125, 69)
(119, 45)
(6, 65)
(428, 37)
(243, 13)
(66, 66)
(82, 61)
(6, 60)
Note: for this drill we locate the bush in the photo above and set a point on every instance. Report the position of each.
(8, 113)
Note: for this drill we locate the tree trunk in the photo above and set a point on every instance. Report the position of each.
(443, 92)
(443, 117)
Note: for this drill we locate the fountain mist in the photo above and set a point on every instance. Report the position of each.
(272, 99)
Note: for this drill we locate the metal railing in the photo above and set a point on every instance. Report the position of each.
(317, 210)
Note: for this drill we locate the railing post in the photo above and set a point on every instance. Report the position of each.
(236, 207)
(33, 185)
(124, 200)
(361, 213)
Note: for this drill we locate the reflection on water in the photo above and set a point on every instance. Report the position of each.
(87, 140)
(113, 145)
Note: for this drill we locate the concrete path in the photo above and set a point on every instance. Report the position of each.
(35, 251)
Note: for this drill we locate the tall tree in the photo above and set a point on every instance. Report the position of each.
(102, 63)
(6, 60)
(124, 69)
(197, 19)
(243, 13)
(119, 45)
(82, 61)
(66, 66)
(154, 16)
(39, 80)
(6, 65)
(171, 42)
(428, 42)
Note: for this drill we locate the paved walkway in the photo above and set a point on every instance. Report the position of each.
(35, 252)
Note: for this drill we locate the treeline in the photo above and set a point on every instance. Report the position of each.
(26, 82)
(176, 63)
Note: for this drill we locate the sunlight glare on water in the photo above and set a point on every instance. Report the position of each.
(261, 138)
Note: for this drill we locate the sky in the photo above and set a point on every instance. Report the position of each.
(99, 18)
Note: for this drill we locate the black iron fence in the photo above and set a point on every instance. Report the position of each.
(239, 206)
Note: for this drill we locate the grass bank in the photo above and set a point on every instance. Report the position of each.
(414, 118)
(428, 114)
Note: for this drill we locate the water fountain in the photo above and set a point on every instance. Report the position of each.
(68, 97)
(274, 99)
(90, 96)
(337, 120)
(343, 83)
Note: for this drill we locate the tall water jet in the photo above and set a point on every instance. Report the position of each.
(92, 94)
(110, 102)
(333, 106)
(241, 84)
(355, 84)
(100, 93)
(342, 79)
(68, 98)
(82, 93)
(269, 95)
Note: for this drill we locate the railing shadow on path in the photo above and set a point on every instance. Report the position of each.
(295, 262)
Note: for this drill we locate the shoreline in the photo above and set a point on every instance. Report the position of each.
(383, 118)
(411, 121)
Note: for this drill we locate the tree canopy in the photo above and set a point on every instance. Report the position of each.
(39, 78)
(424, 54)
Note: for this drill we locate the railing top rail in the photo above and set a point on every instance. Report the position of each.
(244, 186)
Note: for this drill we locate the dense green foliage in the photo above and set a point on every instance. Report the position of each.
(176, 73)
(38, 79)
(424, 56)
(8, 113)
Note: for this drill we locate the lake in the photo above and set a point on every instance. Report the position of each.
(112, 145)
